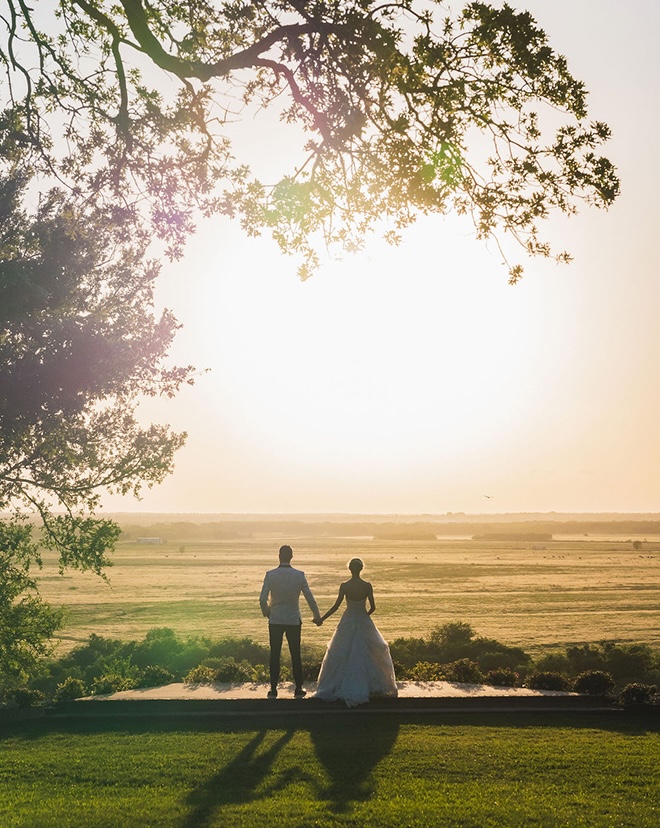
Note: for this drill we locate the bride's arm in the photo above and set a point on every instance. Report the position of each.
(370, 599)
(336, 605)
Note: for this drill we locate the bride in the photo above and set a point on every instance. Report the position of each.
(357, 661)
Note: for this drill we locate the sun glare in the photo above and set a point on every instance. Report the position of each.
(373, 362)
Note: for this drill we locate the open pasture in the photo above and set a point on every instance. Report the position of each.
(569, 591)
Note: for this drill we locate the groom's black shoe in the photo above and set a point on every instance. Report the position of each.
(272, 693)
(300, 693)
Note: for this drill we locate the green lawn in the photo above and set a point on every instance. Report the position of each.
(351, 769)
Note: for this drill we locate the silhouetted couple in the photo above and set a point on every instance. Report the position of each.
(357, 662)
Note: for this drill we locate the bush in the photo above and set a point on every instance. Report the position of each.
(400, 671)
(162, 648)
(24, 697)
(200, 675)
(463, 671)
(111, 683)
(504, 677)
(624, 662)
(456, 641)
(636, 694)
(262, 674)
(452, 633)
(539, 680)
(586, 658)
(409, 651)
(629, 662)
(554, 663)
(310, 671)
(241, 649)
(234, 671)
(502, 660)
(594, 683)
(154, 676)
(85, 655)
(425, 671)
(70, 688)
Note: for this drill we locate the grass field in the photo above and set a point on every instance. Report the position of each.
(570, 591)
(323, 771)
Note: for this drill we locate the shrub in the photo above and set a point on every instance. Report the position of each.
(425, 671)
(111, 683)
(241, 649)
(463, 671)
(200, 675)
(454, 632)
(408, 651)
(262, 674)
(594, 683)
(554, 663)
(234, 671)
(400, 671)
(24, 697)
(455, 641)
(96, 647)
(636, 693)
(629, 662)
(154, 676)
(504, 677)
(586, 658)
(70, 688)
(624, 662)
(162, 647)
(310, 671)
(539, 680)
(501, 660)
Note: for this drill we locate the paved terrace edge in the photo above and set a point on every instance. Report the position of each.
(109, 708)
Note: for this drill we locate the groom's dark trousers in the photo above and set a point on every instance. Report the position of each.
(277, 633)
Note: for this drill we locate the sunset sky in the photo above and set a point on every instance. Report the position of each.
(414, 379)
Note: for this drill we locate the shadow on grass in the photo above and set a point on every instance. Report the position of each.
(241, 780)
(349, 752)
(346, 748)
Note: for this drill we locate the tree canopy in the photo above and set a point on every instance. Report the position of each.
(80, 345)
(407, 108)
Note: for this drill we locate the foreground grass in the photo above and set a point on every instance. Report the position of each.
(333, 770)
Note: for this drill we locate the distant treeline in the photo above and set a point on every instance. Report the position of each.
(421, 531)
(532, 537)
(179, 530)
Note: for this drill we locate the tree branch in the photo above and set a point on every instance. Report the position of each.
(320, 120)
(103, 20)
(246, 58)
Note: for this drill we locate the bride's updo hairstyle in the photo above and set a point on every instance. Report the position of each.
(355, 565)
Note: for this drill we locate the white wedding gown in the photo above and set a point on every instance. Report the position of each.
(357, 662)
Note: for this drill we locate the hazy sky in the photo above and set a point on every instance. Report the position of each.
(414, 379)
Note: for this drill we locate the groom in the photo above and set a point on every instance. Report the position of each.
(279, 601)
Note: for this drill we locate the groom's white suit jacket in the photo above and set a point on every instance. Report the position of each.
(281, 594)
